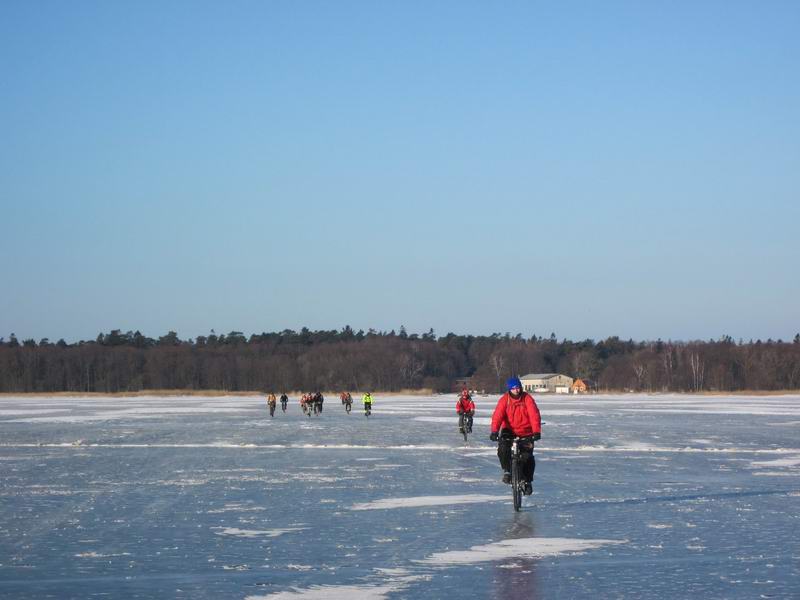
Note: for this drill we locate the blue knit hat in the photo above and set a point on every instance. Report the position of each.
(513, 382)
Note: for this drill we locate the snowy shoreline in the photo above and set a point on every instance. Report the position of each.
(334, 395)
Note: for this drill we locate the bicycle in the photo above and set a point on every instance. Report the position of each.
(517, 481)
(348, 406)
(367, 409)
(271, 409)
(464, 424)
(283, 404)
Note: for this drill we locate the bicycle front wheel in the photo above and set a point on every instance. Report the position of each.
(516, 484)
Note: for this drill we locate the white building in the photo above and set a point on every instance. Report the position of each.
(546, 382)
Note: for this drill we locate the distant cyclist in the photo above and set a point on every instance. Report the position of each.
(318, 400)
(516, 415)
(465, 408)
(271, 402)
(284, 401)
(367, 400)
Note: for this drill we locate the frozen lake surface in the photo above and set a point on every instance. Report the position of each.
(197, 497)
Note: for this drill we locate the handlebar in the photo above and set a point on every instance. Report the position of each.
(516, 438)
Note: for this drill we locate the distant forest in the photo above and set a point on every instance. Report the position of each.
(387, 361)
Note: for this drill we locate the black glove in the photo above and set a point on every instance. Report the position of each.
(536, 437)
(493, 436)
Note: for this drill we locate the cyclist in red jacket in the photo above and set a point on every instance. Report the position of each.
(465, 408)
(516, 415)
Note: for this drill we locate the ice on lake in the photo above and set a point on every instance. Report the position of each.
(198, 497)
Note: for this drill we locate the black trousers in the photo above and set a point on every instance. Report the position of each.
(526, 456)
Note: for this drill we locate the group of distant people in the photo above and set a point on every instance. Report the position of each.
(311, 403)
(272, 403)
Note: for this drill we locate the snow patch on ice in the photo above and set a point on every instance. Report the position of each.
(391, 572)
(31, 411)
(235, 446)
(378, 591)
(517, 548)
(789, 461)
(731, 410)
(642, 447)
(332, 592)
(144, 412)
(253, 533)
(236, 507)
(417, 501)
(454, 420)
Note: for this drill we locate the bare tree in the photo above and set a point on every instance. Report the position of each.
(640, 371)
(497, 362)
(698, 371)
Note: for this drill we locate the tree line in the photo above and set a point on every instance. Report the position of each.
(387, 361)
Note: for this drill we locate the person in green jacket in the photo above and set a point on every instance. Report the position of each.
(367, 400)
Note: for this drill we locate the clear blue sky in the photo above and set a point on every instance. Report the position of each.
(588, 168)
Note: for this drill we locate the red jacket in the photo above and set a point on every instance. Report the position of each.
(521, 416)
(465, 405)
